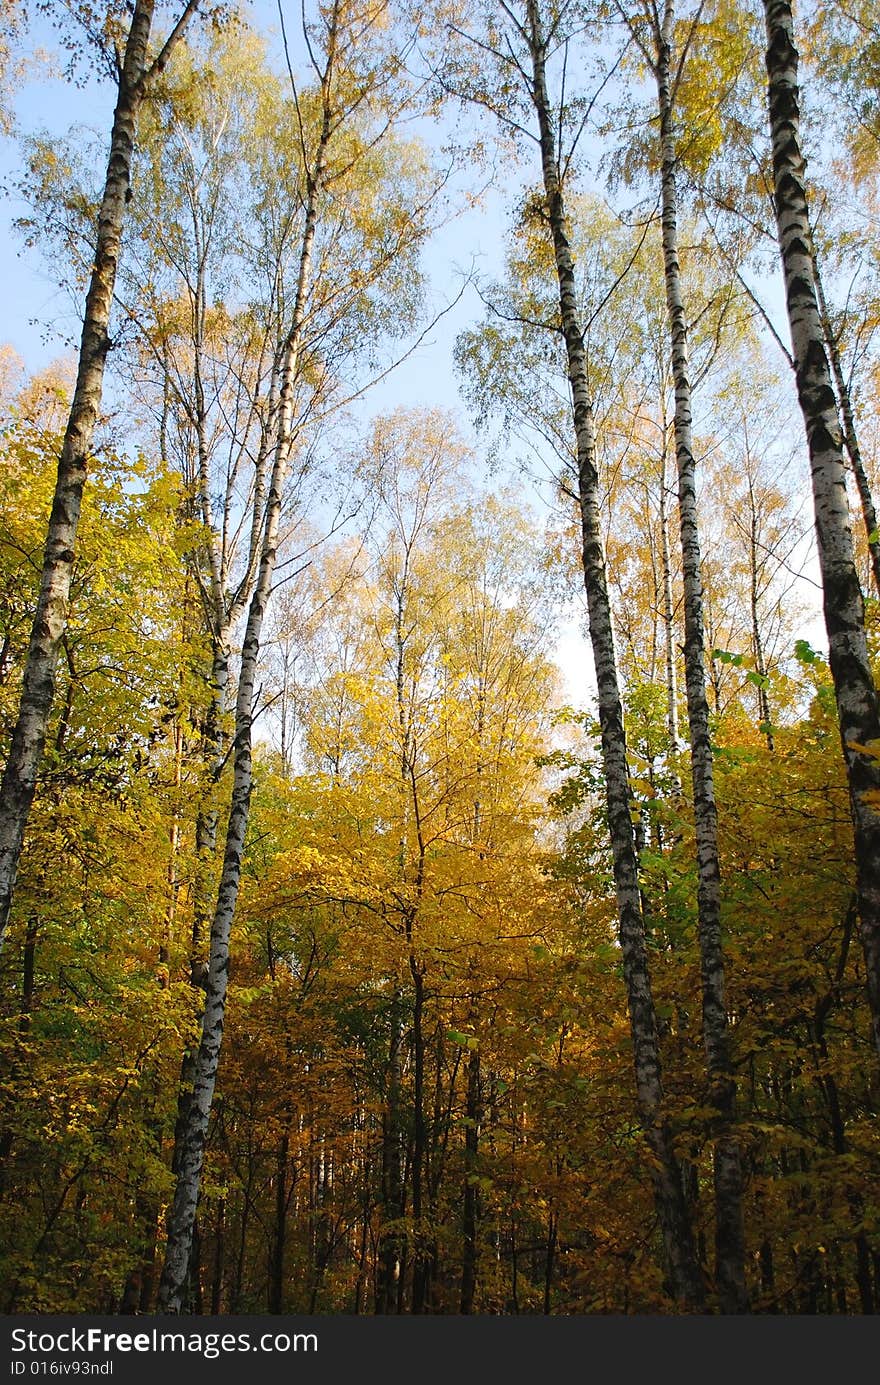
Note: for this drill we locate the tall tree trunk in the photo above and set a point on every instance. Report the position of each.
(755, 614)
(222, 609)
(50, 619)
(854, 688)
(186, 1192)
(219, 1258)
(213, 754)
(366, 1172)
(470, 1194)
(191, 1144)
(550, 1259)
(850, 434)
(421, 1256)
(279, 1230)
(392, 1185)
(244, 1221)
(828, 1086)
(668, 609)
(18, 1060)
(729, 1233)
(684, 1274)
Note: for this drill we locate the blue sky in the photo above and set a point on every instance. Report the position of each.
(36, 317)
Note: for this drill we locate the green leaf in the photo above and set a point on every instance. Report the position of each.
(805, 653)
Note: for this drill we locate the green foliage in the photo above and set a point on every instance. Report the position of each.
(90, 1029)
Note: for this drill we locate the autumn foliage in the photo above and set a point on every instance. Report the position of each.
(425, 1100)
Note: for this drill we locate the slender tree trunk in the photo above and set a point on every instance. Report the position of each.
(550, 1259)
(186, 1193)
(279, 1233)
(470, 1196)
(388, 1270)
(238, 1283)
(755, 614)
(213, 753)
(15, 1068)
(193, 1136)
(684, 1274)
(828, 1086)
(436, 1142)
(850, 434)
(729, 1233)
(392, 1243)
(420, 1260)
(854, 688)
(219, 1258)
(50, 618)
(222, 610)
(364, 1238)
(668, 611)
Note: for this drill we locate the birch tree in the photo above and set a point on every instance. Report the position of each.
(194, 1134)
(664, 48)
(521, 41)
(515, 370)
(204, 358)
(843, 387)
(135, 69)
(353, 69)
(854, 686)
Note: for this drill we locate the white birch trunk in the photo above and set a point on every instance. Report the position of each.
(50, 618)
(854, 688)
(668, 612)
(729, 1233)
(186, 1194)
(671, 1206)
(850, 434)
(754, 606)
